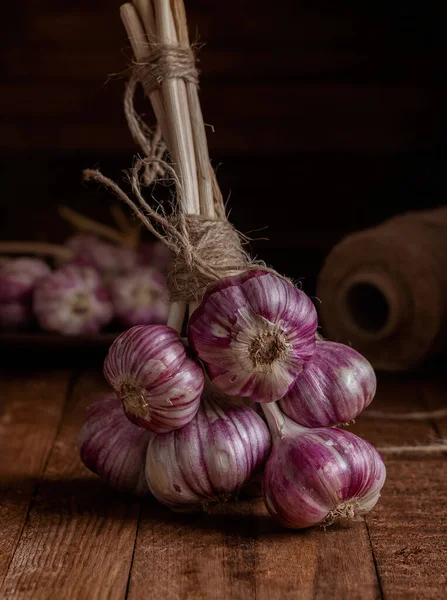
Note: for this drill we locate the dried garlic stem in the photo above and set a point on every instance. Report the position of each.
(177, 113)
(204, 168)
(176, 316)
(83, 223)
(131, 232)
(39, 248)
(140, 47)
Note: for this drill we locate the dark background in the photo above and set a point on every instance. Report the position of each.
(328, 116)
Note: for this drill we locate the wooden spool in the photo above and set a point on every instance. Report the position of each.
(384, 290)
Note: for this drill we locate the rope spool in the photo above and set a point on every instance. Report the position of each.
(384, 290)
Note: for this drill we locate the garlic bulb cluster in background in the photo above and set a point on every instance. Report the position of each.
(18, 278)
(139, 296)
(72, 300)
(102, 283)
(252, 336)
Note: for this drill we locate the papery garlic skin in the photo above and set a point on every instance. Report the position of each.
(336, 385)
(318, 476)
(211, 458)
(113, 448)
(107, 258)
(72, 301)
(159, 385)
(18, 277)
(140, 297)
(16, 314)
(254, 332)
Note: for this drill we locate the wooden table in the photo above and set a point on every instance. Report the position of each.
(64, 535)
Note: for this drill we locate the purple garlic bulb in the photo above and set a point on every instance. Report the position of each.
(16, 314)
(211, 458)
(318, 476)
(18, 277)
(140, 297)
(158, 383)
(107, 258)
(113, 448)
(72, 301)
(254, 332)
(334, 387)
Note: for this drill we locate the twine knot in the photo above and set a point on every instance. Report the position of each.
(209, 249)
(166, 62)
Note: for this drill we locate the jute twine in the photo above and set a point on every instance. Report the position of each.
(404, 260)
(164, 62)
(204, 249)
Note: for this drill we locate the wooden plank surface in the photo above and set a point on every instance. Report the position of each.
(31, 409)
(408, 529)
(83, 541)
(238, 552)
(79, 536)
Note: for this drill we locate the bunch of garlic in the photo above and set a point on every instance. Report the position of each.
(252, 336)
(100, 283)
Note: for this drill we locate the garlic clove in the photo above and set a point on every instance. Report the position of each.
(140, 297)
(18, 277)
(158, 383)
(113, 448)
(336, 385)
(72, 301)
(318, 476)
(254, 332)
(211, 458)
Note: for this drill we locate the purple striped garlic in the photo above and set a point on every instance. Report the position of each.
(334, 387)
(211, 458)
(113, 448)
(159, 385)
(140, 297)
(72, 301)
(18, 277)
(16, 314)
(107, 258)
(254, 332)
(318, 476)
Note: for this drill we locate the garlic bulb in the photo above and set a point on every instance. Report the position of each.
(334, 387)
(113, 448)
(107, 258)
(18, 276)
(254, 332)
(159, 385)
(140, 297)
(211, 458)
(317, 476)
(16, 314)
(72, 301)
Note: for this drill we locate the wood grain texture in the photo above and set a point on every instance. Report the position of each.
(408, 529)
(31, 410)
(78, 540)
(79, 537)
(238, 552)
